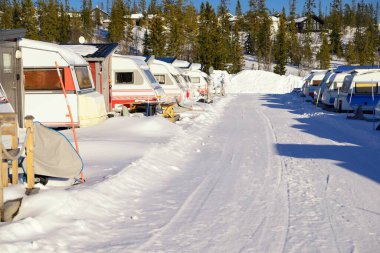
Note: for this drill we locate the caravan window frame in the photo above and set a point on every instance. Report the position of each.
(375, 86)
(124, 72)
(80, 80)
(53, 72)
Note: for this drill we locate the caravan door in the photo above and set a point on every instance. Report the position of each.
(10, 76)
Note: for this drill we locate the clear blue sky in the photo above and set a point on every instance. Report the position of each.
(271, 4)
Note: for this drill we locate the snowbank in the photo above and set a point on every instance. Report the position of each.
(258, 81)
(220, 77)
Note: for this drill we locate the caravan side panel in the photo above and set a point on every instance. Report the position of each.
(36, 58)
(51, 109)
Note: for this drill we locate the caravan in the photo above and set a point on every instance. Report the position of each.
(44, 97)
(360, 88)
(201, 84)
(312, 82)
(169, 79)
(333, 88)
(134, 85)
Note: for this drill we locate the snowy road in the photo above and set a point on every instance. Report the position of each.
(264, 173)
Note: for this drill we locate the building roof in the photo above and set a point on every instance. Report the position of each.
(12, 34)
(93, 51)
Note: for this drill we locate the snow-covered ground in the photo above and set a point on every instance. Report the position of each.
(249, 173)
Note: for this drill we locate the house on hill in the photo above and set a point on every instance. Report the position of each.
(104, 17)
(309, 23)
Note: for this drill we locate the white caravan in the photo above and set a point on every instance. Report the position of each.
(167, 77)
(333, 88)
(323, 85)
(312, 82)
(133, 84)
(201, 84)
(44, 97)
(360, 88)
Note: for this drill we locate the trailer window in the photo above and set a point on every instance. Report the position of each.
(7, 63)
(316, 82)
(160, 79)
(42, 79)
(195, 79)
(347, 83)
(124, 78)
(83, 77)
(366, 88)
(150, 76)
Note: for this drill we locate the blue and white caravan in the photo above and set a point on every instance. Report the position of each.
(360, 88)
(333, 88)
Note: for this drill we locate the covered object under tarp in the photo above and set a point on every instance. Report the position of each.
(54, 156)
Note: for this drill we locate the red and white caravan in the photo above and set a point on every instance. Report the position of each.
(134, 84)
(43, 92)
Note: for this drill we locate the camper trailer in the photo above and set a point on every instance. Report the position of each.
(312, 82)
(133, 84)
(322, 86)
(99, 57)
(44, 97)
(201, 83)
(360, 88)
(333, 87)
(167, 77)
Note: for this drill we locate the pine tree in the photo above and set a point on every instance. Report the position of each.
(190, 21)
(350, 54)
(239, 16)
(116, 26)
(75, 26)
(323, 55)
(294, 48)
(88, 23)
(28, 19)
(64, 23)
(208, 38)
(49, 20)
(293, 8)
(152, 9)
(307, 52)
(16, 14)
(142, 5)
(309, 7)
(263, 37)
(236, 56)
(155, 42)
(336, 27)
(146, 44)
(175, 30)
(6, 19)
(280, 47)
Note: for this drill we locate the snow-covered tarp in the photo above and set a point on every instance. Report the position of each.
(263, 82)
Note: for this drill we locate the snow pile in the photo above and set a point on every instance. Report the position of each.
(220, 77)
(258, 81)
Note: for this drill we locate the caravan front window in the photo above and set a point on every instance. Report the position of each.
(366, 88)
(42, 79)
(83, 77)
(124, 78)
(347, 83)
(195, 79)
(160, 79)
